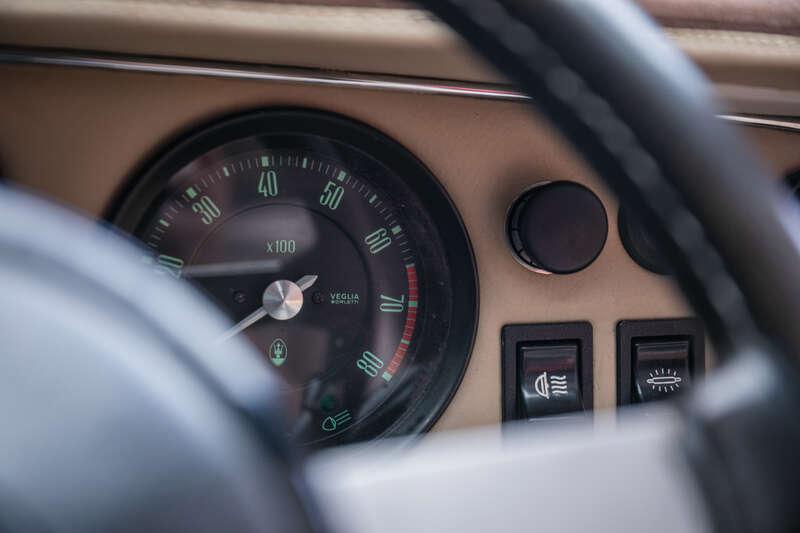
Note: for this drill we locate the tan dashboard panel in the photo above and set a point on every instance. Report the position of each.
(382, 40)
(77, 135)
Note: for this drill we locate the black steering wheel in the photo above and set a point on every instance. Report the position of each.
(121, 418)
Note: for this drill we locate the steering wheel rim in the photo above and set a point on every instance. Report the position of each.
(643, 117)
(143, 424)
(543, 46)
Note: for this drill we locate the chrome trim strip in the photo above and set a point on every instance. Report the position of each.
(243, 71)
(254, 72)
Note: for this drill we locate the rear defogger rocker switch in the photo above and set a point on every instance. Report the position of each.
(547, 370)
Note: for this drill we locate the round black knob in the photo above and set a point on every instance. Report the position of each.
(557, 227)
(639, 244)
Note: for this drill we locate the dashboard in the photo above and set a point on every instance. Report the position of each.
(382, 239)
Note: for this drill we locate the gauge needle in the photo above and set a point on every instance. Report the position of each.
(281, 300)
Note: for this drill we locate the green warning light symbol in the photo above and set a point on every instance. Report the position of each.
(330, 423)
(278, 352)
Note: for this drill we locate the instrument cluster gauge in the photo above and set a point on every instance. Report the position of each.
(333, 250)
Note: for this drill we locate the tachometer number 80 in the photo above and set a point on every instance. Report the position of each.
(369, 363)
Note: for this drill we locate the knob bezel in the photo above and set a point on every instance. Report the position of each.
(514, 242)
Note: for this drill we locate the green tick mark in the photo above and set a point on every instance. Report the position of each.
(190, 192)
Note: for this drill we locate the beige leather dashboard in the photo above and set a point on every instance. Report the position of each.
(78, 134)
(389, 40)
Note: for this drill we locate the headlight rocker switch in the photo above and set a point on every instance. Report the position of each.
(547, 370)
(548, 379)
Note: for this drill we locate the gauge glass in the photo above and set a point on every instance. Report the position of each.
(334, 251)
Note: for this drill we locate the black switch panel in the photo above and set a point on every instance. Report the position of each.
(547, 369)
(657, 359)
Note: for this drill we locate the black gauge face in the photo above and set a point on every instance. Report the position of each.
(334, 251)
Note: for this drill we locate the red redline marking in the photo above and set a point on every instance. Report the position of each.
(410, 323)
